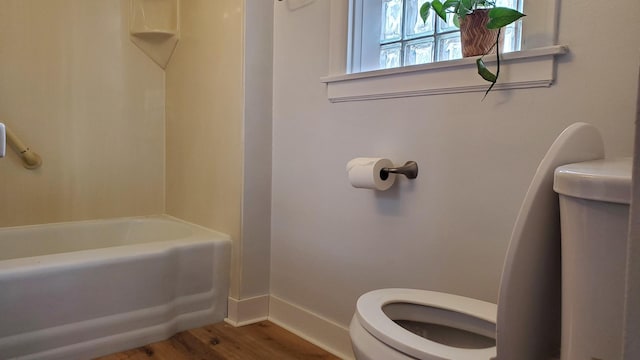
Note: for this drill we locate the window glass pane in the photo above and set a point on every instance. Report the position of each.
(390, 56)
(509, 39)
(508, 3)
(512, 31)
(391, 21)
(447, 26)
(405, 39)
(419, 51)
(413, 24)
(449, 47)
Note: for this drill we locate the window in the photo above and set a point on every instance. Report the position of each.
(392, 34)
(354, 76)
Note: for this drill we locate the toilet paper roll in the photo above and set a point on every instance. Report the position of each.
(364, 173)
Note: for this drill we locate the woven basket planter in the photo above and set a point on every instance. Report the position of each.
(475, 37)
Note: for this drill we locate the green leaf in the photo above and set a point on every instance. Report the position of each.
(485, 73)
(502, 16)
(465, 7)
(485, 3)
(424, 11)
(467, 4)
(439, 9)
(456, 21)
(450, 4)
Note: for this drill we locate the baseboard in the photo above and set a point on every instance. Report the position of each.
(247, 311)
(322, 332)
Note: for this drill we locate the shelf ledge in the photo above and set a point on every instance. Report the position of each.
(154, 34)
(521, 69)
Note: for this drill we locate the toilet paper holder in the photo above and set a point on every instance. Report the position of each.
(409, 169)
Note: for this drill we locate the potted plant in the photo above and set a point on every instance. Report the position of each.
(480, 23)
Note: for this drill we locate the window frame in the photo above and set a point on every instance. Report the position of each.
(531, 67)
(367, 45)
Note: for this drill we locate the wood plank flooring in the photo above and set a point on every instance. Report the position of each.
(263, 341)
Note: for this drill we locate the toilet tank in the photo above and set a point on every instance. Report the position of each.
(594, 216)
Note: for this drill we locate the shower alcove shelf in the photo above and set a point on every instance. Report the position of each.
(154, 26)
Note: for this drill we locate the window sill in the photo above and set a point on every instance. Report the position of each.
(521, 69)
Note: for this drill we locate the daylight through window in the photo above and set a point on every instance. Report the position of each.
(401, 38)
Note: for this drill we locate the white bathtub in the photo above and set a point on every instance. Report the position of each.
(84, 289)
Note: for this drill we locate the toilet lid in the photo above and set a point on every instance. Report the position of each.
(373, 319)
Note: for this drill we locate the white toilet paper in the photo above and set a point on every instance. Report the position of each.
(364, 173)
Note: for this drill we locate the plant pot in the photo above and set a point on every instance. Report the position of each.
(475, 37)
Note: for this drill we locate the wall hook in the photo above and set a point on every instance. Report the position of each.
(409, 169)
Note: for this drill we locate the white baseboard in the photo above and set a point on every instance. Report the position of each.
(322, 332)
(247, 311)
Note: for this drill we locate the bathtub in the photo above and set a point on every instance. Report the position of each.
(83, 289)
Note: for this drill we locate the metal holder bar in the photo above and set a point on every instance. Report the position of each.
(409, 169)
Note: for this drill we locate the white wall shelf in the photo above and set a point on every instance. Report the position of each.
(521, 69)
(154, 34)
(154, 26)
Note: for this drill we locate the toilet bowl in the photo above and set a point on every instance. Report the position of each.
(524, 325)
(458, 327)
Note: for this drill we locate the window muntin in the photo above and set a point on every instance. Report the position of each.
(405, 40)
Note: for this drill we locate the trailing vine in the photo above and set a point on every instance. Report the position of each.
(498, 18)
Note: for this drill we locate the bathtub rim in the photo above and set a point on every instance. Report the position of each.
(71, 259)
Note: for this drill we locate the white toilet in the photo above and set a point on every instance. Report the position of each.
(419, 324)
(594, 217)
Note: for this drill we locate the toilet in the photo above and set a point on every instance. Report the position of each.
(594, 218)
(399, 324)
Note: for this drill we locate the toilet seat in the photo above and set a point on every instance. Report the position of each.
(371, 316)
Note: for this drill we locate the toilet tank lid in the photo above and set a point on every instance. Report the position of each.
(601, 180)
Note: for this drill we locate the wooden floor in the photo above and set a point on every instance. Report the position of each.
(263, 341)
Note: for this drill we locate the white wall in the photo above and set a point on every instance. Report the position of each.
(256, 195)
(79, 93)
(448, 230)
(632, 295)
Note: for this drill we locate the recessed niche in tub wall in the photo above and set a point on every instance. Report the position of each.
(154, 26)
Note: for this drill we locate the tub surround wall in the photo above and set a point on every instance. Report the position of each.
(204, 116)
(447, 230)
(219, 136)
(78, 92)
(82, 95)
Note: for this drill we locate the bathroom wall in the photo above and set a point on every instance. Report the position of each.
(219, 132)
(79, 93)
(257, 133)
(448, 230)
(204, 117)
(632, 296)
